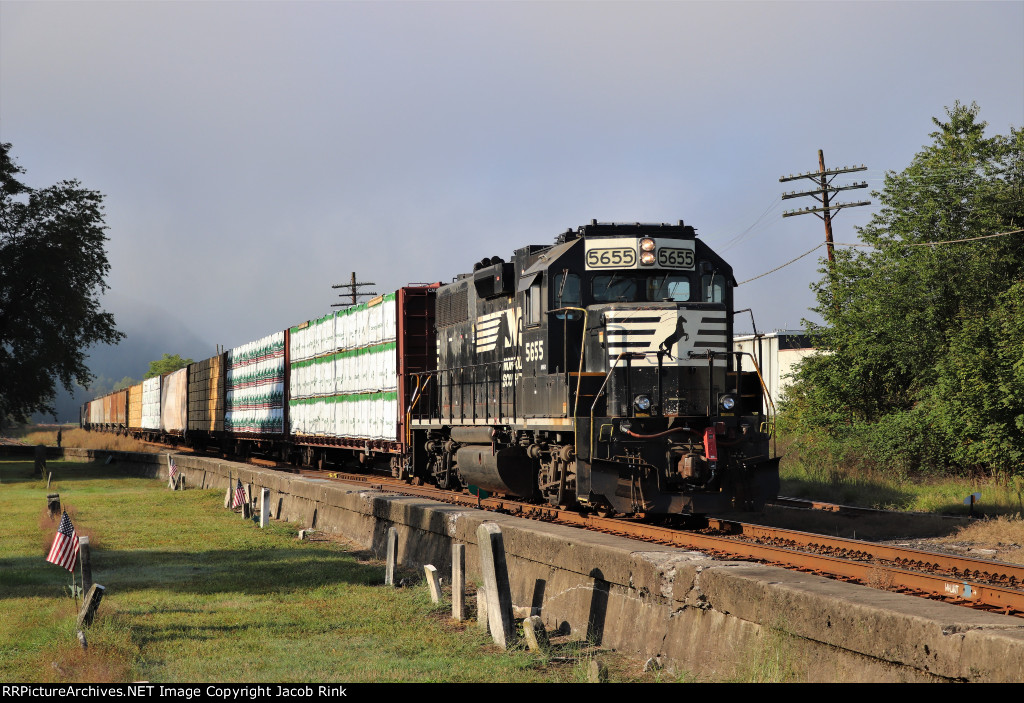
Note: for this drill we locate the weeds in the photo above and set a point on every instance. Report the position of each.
(196, 594)
(814, 467)
(1003, 534)
(81, 439)
(772, 658)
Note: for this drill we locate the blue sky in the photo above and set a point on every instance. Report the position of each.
(254, 153)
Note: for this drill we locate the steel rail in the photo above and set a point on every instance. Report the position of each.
(1005, 599)
(1001, 573)
(823, 506)
(807, 504)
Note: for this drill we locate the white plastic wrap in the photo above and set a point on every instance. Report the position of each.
(344, 373)
(254, 400)
(151, 404)
(174, 401)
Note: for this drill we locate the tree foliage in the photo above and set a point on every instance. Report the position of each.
(53, 266)
(924, 361)
(125, 382)
(166, 364)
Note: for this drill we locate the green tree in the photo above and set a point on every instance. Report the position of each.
(125, 383)
(166, 364)
(977, 403)
(53, 266)
(920, 336)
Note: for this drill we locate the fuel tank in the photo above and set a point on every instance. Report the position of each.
(507, 470)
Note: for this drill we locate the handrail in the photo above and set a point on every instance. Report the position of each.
(759, 378)
(473, 368)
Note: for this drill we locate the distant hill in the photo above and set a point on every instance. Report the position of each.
(150, 333)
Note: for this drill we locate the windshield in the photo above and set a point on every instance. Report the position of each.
(671, 286)
(633, 288)
(615, 288)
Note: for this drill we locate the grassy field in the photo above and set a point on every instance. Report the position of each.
(806, 475)
(196, 593)
(999, 529)
(75, 437)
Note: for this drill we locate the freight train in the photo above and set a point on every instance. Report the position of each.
(597, 372)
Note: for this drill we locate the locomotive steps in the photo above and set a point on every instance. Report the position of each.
(713, 619)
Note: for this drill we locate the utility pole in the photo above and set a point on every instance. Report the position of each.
(353, 290)
(824, 179)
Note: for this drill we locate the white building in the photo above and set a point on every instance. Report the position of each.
(776, 354)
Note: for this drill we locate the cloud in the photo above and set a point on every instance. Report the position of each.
(252, 154)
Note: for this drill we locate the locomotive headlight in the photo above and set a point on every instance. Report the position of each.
(646, 244)
(642, 403)
(728, 402)
(647, 258)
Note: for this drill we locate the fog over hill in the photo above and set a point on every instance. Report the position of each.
(150, 332)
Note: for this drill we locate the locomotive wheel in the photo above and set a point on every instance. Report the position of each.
(398, 468)
(446, 482)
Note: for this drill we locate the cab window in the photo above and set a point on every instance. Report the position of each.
(533, 302)
(567, 290)
(668, 287)
(712, 288)
(615, 288)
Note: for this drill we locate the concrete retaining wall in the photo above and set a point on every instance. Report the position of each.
(713, 619)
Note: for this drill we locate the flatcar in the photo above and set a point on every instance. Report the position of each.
(597, 371)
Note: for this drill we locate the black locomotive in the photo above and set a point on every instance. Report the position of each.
(598, 370)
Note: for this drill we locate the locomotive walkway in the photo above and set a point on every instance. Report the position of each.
(712, 618)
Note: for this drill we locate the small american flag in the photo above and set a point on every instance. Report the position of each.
(174, 469)
(239, 495)
(65, 545)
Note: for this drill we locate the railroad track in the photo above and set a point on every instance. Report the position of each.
(851, 510)
(807, 504)
(967, 581)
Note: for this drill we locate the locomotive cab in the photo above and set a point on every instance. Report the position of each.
(599, 370)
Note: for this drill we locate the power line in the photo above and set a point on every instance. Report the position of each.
(750, 228)
(845, 244)
(791, 261)
(930, 244)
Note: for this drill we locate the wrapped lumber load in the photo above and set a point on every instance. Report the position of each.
(119, 408)
(174, 401)
(206, 395)
(254, 387)
(135, 407)
(343, 374)
(151, 403)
